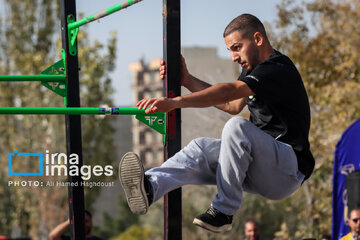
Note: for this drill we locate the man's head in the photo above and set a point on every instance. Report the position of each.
(246, 39)
(247, 25)
(88, 223)
(251, 230)
(354, 222)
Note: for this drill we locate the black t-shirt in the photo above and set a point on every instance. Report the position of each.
(280, 106)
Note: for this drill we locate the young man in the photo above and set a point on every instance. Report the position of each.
(268, 155)
(251, 230)
(58, 232)
(354, 224)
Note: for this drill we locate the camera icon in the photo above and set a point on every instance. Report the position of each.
(32, 155)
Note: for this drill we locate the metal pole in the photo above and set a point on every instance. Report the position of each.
(42, 78)
(74, 111)
(156, 121)
(73, 125)
(102, 14)
(171, 48)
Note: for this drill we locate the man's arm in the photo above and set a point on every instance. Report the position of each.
(217, 94)
(59, 230)
(194, 84)
(233, 107)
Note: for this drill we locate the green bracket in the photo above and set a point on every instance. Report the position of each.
(63, 55)
(156, 121)
(59, 87)
(58, 68)
(72, 34)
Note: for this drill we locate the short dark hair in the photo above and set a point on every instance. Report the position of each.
(88, 213)
(354, 209)
(247, 25)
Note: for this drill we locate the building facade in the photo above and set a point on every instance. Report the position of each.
(147, 143)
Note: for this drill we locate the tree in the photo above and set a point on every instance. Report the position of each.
(115, 226)
(134, 233)
(29, 40)
(326, 53)
(98, 147)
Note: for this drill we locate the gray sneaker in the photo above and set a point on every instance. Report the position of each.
(131, 175)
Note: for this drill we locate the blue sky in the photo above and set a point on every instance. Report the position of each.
(139, 30)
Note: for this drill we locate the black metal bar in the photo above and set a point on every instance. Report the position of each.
(73, 126)
(171, 48)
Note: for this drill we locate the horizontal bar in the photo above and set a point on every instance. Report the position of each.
(73, 111)
(40, 78)
(101, 14)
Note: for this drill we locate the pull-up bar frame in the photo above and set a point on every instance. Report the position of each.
(63, 78)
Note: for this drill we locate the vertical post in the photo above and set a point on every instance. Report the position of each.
(73, 125)
(171, 48)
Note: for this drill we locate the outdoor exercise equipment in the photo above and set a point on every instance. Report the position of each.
(63, 78)
(154, 120)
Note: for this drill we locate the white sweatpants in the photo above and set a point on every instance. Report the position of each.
(244, 159)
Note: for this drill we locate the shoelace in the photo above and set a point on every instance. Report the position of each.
(212, 211)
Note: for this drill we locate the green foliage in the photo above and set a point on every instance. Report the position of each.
(7, 206)
(96, 91)
(134, 233)
(25, 50)
(115, 226)
(151, 223)
(327, 57)
(269, 214)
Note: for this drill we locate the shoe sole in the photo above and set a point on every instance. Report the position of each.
(131, 175)
(224, 228)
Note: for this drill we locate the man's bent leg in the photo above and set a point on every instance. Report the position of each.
(195, 164)
(251, 159)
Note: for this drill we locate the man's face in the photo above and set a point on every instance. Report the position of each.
(354, 222)
(251, 231)
(88, 224)
(243, 51)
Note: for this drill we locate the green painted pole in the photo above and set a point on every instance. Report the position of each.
(73, 111)
(42, 78)
(154, 120)
(101, 14)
